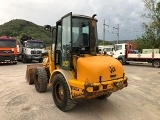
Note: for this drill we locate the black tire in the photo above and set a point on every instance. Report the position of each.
(41, 60)
(28, 61)
(121, 61)
(19, 58)
(61, 94)
(104, 96)
(156, 63)
(41, 79)
(24, 60)
(15, 63)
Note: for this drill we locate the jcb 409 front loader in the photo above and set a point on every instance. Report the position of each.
(74, 68)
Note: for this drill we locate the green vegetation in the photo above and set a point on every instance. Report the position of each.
(17, 28)
(151, 37)
(100, 42)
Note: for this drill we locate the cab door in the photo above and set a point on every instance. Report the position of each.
(65, 42)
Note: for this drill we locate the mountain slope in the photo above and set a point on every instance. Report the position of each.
(18, 27)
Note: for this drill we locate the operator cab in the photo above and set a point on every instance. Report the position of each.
(76, 35)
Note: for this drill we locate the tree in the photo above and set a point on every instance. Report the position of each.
(100, 42)
(151, 37)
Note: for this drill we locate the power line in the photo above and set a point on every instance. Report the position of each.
(104, 30)
(117, 32)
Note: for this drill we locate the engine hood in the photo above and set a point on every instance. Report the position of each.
(96, 69)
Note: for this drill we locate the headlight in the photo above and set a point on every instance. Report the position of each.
(15, 58)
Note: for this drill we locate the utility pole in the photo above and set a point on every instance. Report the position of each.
(117, 32)
(104, 30)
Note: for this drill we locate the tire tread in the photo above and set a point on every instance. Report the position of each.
(70, 103)
(43, 80)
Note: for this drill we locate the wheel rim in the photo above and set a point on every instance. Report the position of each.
(156, 64)
(59, 92)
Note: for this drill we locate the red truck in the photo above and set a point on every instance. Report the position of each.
(8, 50)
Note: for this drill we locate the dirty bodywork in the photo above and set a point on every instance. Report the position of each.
(74, 69)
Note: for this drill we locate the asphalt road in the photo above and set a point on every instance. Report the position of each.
(139, 101)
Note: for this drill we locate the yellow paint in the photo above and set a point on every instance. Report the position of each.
(87, 73)
(90, 69)
(76, 83)
(45, 61)
(90, 89)
(78, 87)
(51, 62)
(65, 63)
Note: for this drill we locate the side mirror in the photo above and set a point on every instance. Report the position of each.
(47, 27)
(52, 32)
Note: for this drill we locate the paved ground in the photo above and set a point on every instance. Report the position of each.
(139, 101)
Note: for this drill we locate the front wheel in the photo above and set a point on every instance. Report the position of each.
(41, 60)
(41, 79)
(156, 63)
(61, 94)
(121, 61)
(24, 60)
(14, 63)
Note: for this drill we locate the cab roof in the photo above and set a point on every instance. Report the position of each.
(80, 16)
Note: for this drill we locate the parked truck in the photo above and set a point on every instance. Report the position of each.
(30, 49)
(105, 49)
(125, 54)
(8, 50)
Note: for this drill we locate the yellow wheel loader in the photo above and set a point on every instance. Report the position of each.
(74, 68)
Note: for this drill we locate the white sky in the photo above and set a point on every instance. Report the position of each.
(126, 13)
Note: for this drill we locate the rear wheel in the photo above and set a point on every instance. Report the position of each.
(104, 96)
(156, 63)
(41, 79)
(61, 94)
(121, 61)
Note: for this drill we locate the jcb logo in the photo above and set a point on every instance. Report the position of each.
(112, 69)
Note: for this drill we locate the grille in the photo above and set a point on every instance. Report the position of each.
(36, 52)
(6, 51)
(4, 58)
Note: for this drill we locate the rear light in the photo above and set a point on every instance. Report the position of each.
(104, 86)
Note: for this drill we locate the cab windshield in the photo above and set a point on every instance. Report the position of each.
(35, 45)
(107, 49)
(7, 43)
(80, 32)
(118, 47)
